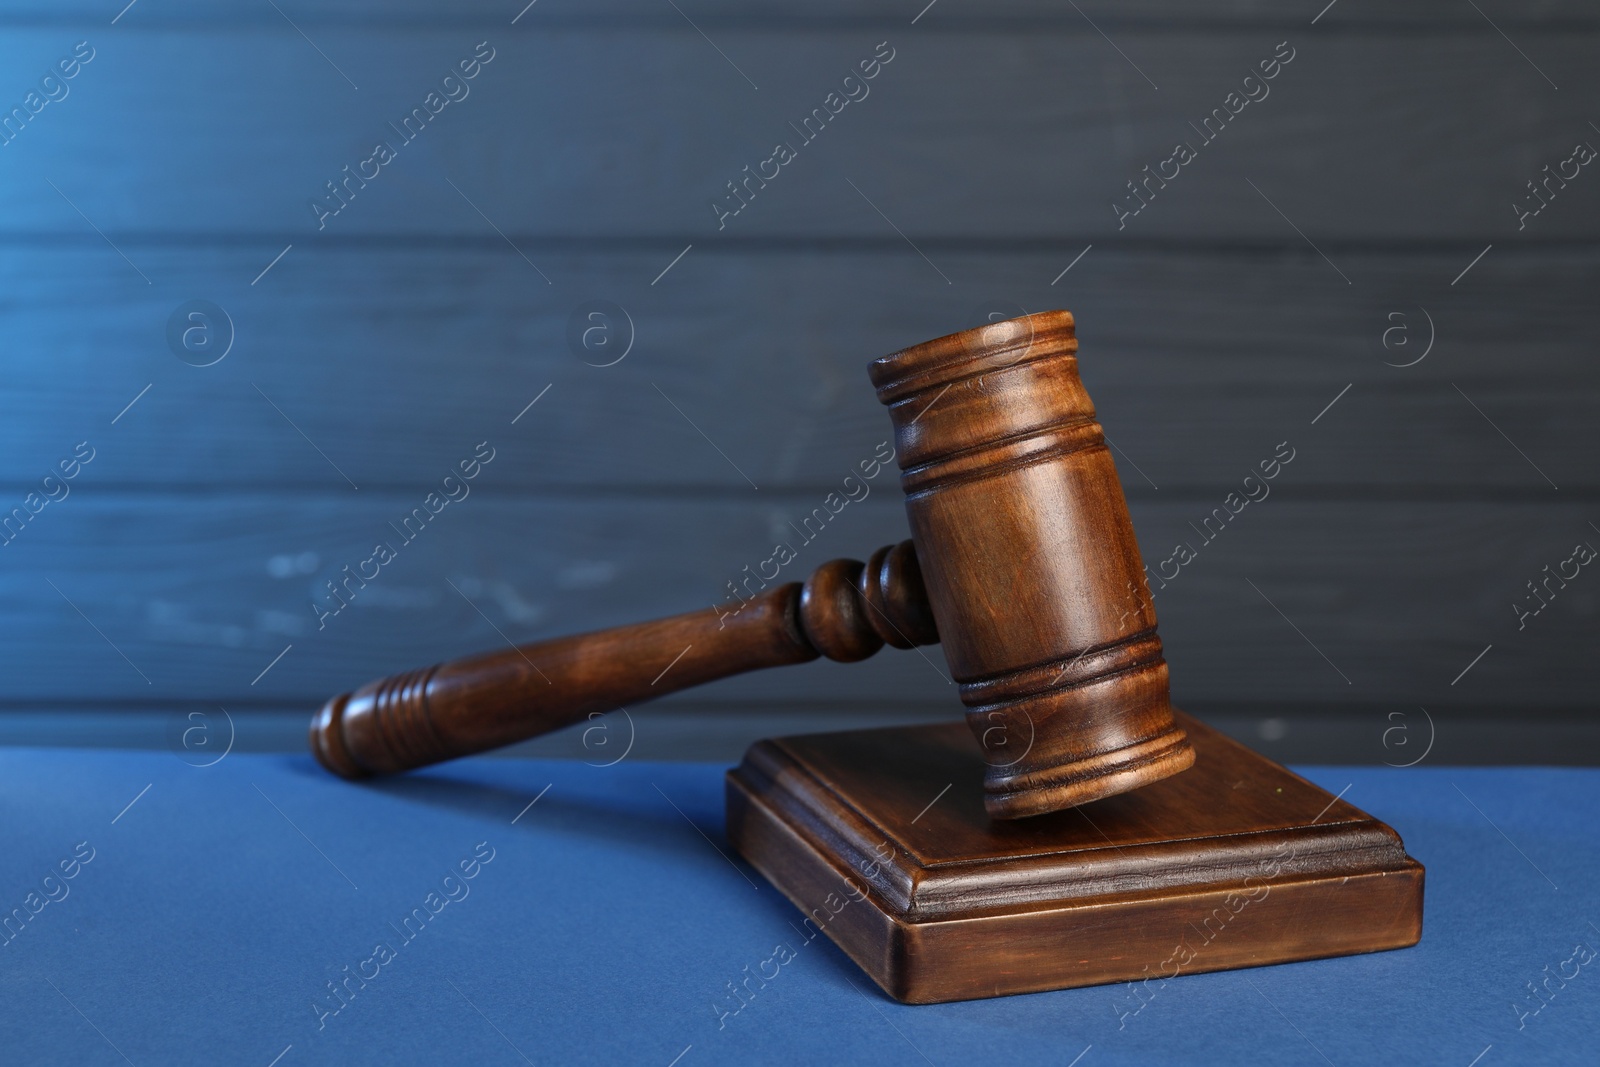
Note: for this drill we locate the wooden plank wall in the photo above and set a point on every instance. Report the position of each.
(1340, 268)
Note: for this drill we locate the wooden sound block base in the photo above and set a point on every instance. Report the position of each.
(880, 838)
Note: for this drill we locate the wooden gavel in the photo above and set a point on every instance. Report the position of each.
(1022, 562)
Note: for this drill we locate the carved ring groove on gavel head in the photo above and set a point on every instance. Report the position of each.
(1024, 564)
(1030, 564)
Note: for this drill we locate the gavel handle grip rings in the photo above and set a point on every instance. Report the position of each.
(845, 611)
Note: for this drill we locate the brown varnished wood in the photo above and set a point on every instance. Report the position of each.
(1031, 565)
(846, 611)
(1022, 559)
(946, 904)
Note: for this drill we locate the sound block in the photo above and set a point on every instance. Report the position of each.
(880, 838)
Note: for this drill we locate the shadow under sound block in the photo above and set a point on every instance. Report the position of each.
(881, 838)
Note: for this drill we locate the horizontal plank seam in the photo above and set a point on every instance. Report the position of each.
(241, 242)
(1064, 23)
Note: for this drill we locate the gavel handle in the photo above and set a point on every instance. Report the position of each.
(845, 611)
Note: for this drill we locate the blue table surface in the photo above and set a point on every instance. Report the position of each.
(208, 908)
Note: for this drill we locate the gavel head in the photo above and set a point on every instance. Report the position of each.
(1030, 563)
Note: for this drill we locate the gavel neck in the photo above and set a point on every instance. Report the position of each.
(847, 610)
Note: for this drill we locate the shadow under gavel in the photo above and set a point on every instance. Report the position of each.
(1022, 561)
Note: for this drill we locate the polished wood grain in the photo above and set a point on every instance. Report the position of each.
(883, 840)
(1024, 563)
(1031, 564)
(845, 611)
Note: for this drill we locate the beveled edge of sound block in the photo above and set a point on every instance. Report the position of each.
(1235, 863)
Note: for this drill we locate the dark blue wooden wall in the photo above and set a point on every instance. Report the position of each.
(1345, 233)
